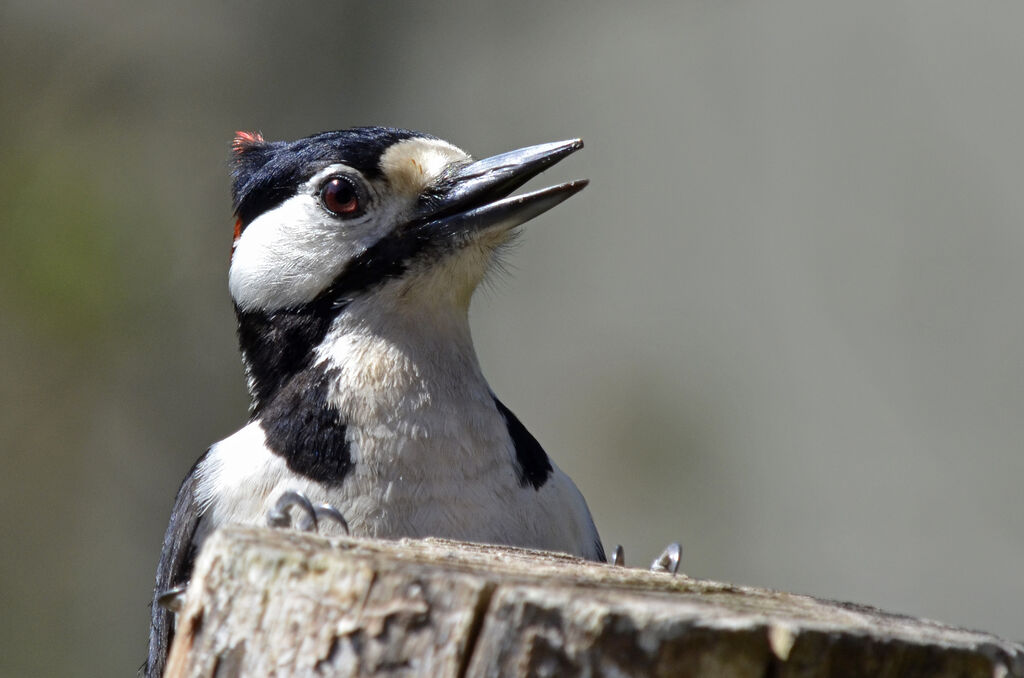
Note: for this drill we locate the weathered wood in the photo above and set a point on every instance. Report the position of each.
(276, 602)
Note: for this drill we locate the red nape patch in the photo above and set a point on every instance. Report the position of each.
(245, 139)
(234, 241)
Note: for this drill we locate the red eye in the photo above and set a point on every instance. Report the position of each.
(340, 196)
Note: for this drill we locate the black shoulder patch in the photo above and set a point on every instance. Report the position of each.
(306, 430)
(533, 466)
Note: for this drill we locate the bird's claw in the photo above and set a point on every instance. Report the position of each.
(173, 598)
(669, 559)
(323, 511)
(280, 515)
(312, 516)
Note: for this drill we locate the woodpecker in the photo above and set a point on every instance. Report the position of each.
(355, 255)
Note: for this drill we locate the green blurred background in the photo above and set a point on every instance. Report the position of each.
(783, 325)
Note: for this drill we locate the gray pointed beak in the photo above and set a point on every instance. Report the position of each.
(476, 196)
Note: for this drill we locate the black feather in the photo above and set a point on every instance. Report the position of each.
(306, 430)
(175, 568)
(532, 463)
(267, 173)
(278, 345)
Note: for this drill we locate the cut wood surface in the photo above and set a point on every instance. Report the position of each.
(276, 602)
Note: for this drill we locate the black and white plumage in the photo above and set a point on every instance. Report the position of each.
(356, 254)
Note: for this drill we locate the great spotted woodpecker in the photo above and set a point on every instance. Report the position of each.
(355, 256)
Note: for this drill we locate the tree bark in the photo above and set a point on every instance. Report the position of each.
(275, 602)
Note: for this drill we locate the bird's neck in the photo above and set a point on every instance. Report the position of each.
(277, 346)
(399, 362)
(384, 355)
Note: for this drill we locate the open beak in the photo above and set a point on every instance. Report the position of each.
(474, 197)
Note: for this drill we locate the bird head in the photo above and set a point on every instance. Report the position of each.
(371, 220)
(338, 216)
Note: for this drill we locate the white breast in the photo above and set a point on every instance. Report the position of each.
(431, 453)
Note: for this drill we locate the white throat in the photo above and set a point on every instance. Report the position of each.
(410, 367)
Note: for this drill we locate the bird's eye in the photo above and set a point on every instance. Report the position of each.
(340, 196)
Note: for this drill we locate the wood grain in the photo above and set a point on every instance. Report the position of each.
(277, 602)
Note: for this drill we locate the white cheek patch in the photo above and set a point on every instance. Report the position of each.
(411, 165)
(289, 254)
(286, 256)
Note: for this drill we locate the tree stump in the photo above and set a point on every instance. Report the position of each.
(276, 602)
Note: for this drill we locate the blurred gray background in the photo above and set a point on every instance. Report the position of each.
(783, 325)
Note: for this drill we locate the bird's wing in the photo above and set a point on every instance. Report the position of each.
(534, 468)
(532, 463)
(175, 568)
